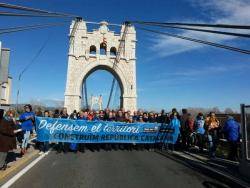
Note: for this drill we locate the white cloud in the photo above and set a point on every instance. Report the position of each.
(221, 11)
(190, 75)
(210, 70)
(171, 81)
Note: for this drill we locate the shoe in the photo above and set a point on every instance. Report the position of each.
(4, 167)
(22, 152)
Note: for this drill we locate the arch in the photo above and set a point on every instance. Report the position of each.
(92, 50)
(113, 51)
(108, 69)
(103, 48)
(103, 65)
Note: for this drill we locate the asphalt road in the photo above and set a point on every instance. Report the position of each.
(111, 169)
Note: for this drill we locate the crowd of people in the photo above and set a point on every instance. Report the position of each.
(202, 130)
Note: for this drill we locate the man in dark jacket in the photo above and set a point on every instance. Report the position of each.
(232, 132)
(183, 129)
(7, 139)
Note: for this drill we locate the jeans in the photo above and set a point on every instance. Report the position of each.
(212, 143)
(200, 141)
(25, 140)
(3, 156)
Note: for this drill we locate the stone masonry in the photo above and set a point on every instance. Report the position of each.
(85, 57)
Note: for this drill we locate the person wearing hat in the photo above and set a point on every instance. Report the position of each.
(27, 120)
(232, 131)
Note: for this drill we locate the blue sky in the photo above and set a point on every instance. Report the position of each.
(170, 72)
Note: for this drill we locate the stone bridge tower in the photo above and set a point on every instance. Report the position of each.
(94, 50)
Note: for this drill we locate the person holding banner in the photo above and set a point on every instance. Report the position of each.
(63, 146)
(110, 117)
(101, 115)
(83, 115)
(44, 146)
(73, 146)
(120, 116)
(27, 120)
(175, 125)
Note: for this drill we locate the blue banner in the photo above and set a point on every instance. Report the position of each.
(81, 131)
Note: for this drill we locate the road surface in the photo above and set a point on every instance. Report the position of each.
(111, 169)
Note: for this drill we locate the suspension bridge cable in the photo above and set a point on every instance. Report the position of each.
(86, 94)
(198, 41)
(18, 29)
(14, 14)
(226, 26)
(27, 26)
(117, 59)
(115, 95)
(202, 30)
(33, 60)
(17, 7)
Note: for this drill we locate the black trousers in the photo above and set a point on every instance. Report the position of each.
(233, 150)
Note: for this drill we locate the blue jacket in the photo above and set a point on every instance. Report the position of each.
(232, 130)
(27, 125)
(82, 118)
(175, 124)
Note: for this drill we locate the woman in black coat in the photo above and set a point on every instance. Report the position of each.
(7, 138)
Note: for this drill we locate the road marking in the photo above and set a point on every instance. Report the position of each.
(22, 172)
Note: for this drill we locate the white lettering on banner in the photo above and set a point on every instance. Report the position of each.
(124, 129)
(61, 127)
(52, 127)
(96, 128)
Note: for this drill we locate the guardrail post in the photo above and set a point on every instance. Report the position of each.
(244, 167)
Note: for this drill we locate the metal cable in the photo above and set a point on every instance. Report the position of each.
(198, 41)
(202, 30)
(117, 59)
(26, 26)
(17, 7)
(39, 52)
(227, 26)
(18, 29)
(14, 14)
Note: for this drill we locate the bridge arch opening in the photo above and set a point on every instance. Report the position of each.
(97, 81)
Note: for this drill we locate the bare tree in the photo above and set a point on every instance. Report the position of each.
(216, 110)
(229, 111)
